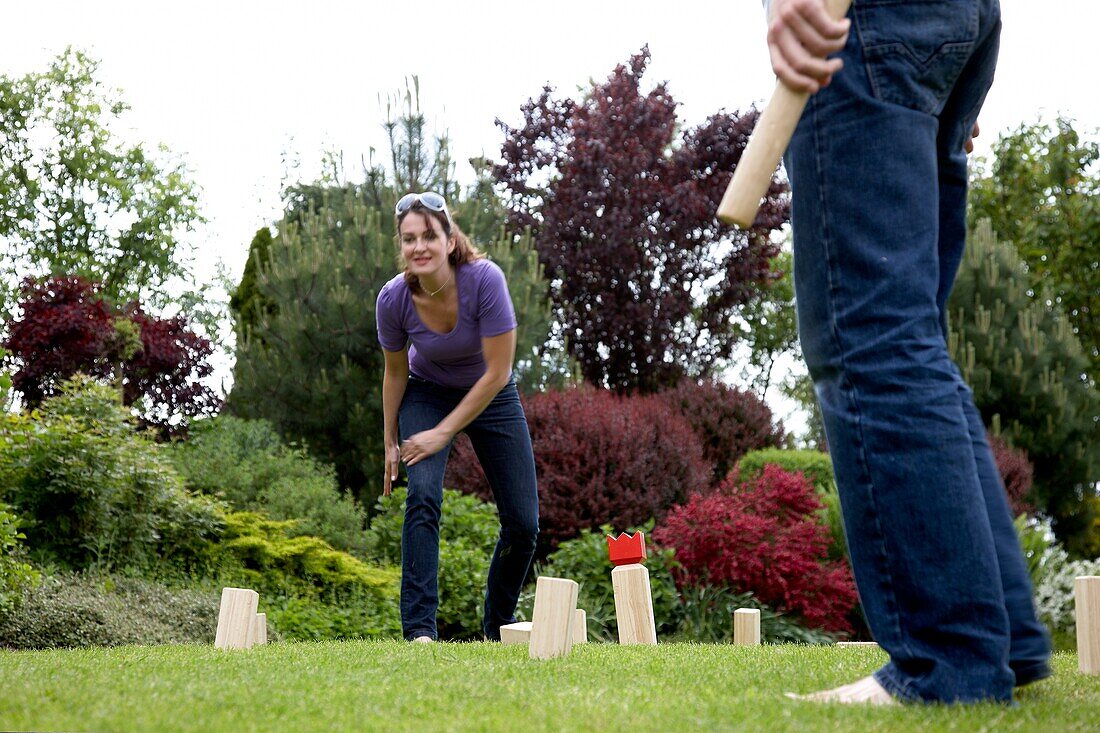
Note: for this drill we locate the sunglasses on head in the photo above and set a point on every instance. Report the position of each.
(428, 199)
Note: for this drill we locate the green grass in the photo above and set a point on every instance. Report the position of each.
(395, 686)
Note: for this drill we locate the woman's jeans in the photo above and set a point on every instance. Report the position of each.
(878, 175)
(503, 446)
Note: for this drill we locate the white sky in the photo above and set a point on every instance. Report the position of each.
(233, 86)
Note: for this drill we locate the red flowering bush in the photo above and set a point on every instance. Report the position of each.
(763, 536)
(65, 326)
(1016, 472)
(729, 422)
(601, 459)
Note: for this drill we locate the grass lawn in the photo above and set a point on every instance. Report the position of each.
(395, 686)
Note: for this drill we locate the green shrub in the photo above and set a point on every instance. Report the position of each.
(815, 465)
(307, 618)
(266, 553)
(15, 575)
(834, 521)
(467, 536)
(74, 610)
(585, 560)
(246, 463)
(94, 492)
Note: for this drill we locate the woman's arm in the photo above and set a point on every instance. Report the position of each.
(393, 390)
(499, 352)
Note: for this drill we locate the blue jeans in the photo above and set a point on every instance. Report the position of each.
(878, 177)
(503, 446)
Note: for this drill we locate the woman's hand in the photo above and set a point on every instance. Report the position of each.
(424, 445)
(393, 463)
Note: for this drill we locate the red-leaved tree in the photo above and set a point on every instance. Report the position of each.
(644, 279)
(601, 458)
(66, 327)
(763, 536)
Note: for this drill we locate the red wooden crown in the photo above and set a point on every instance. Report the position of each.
(626, 549)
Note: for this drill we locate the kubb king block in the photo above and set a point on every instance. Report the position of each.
(633, 597)
(236, 618)
(553, 617)
(1086, 592)
(746, 626)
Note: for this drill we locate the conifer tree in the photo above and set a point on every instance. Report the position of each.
(312, 365)
(247, 304)
(1029, 376)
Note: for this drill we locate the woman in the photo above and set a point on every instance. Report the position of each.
(448, 331)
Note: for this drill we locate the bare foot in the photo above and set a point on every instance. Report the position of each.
(866, 691)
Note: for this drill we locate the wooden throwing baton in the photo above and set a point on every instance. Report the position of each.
(766, 146)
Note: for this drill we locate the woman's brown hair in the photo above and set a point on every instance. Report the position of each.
(464, 251)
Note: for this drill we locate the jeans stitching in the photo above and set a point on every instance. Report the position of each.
(849, 387)
(874, 54)
(872, 82)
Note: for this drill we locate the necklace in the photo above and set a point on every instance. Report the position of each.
(433, 294)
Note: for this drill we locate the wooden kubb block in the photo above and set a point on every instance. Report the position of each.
(520, 632)
(553, 618)
(633, 604)
(517, 633)
(257, 632)
(1086, 592)
(746, 626)
(236, 618)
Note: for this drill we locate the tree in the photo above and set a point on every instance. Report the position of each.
(417, 163)
(1042, 193)
(66, 326)
(247, 304)
(1028, 373)
(771, 323)
(74, 199)
(799, 387)
(645, 281)
(312, 365)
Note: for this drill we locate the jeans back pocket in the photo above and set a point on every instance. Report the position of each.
(915, 50)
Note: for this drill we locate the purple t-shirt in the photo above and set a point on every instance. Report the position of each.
(452, 359)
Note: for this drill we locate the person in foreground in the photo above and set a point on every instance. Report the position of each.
(448, 332)
(878, 177)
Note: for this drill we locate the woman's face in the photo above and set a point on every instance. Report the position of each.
(424, 246)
